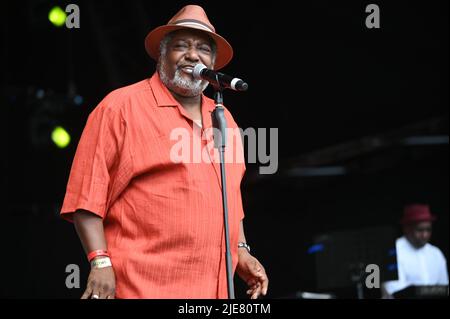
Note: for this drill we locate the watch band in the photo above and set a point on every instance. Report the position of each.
(244, 245)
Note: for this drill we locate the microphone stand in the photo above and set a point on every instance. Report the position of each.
(219, 124)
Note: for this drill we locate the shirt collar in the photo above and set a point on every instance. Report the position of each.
(160, 92)
(411, 247)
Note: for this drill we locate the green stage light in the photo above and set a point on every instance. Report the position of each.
(60, 137)
(57, 16)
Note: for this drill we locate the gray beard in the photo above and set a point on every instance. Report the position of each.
(180, 85)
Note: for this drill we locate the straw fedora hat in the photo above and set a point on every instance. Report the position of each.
(190, 17)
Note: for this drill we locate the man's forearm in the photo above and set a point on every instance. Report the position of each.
(242, 239)
(241, 233)
(90, 230)
(101, 281)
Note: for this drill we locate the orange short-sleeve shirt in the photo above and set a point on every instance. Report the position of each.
(163, 218)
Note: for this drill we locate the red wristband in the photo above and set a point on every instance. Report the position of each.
(97, 253)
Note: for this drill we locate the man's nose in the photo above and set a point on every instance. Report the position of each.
(192, 54)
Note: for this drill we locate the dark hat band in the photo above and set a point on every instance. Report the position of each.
(193, 23)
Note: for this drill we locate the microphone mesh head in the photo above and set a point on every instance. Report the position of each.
(196, 73)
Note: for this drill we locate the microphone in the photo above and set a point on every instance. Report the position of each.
(201, 72)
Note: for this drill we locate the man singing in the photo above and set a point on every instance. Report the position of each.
(152, 226)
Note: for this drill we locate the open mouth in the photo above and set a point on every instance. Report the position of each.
(187, 69)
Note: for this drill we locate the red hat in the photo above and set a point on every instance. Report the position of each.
(190, 17)
(416, 213)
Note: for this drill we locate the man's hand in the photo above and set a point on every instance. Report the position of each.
(252, 272)
(101, 284)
